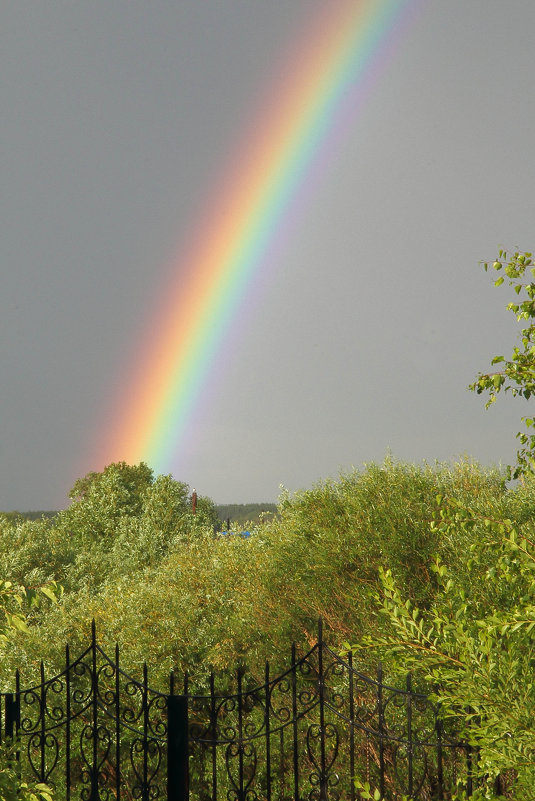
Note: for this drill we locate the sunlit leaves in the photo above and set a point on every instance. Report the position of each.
(15, 601)
(517, 375)
(477, 649)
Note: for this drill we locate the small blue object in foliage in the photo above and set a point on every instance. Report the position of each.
(233, 533)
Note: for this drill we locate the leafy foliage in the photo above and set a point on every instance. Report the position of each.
(15, 604)
(14, 601)
(475, 642)
(476, 647)
(158, 580)
(517, 373)
(11, 788)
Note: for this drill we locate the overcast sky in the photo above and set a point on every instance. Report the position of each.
(117, 115)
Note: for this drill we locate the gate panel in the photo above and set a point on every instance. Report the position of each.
(95, 733)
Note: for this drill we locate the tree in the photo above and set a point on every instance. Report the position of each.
(475, 643)
(517, 373)
(120, 520)
(103, 503)
(99, 500)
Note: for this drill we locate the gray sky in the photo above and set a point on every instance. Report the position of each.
(117, 115)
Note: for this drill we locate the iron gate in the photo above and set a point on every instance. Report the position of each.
(95, 733)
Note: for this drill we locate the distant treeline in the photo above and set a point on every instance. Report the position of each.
(242, 513)
(15, 517)
(238, 513)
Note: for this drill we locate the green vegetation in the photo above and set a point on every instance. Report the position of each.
(517, 374)
(19, 517)
(16, 602)
(239, 514)
(157, 579)
(475, 642)
(130, 553)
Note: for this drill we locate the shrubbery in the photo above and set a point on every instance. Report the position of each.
(130, 553)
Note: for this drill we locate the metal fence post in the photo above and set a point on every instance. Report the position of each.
(12, 715)
(177, 748)
(381, 729)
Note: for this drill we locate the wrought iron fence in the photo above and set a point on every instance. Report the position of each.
(95, 733)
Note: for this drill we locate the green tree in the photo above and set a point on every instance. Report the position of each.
(476, 644)
(516, 373)
(100, 500)
(476, 641)
(120, 521)
(104, 503)
(34, 552)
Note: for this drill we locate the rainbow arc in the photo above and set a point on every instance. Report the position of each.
(331, 67)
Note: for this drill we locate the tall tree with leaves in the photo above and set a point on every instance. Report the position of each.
(476, 640)
(516, 374)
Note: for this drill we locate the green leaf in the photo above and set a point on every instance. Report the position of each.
(49, 592)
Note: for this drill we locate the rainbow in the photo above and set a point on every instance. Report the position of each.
(330, 70)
